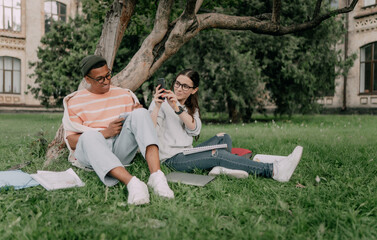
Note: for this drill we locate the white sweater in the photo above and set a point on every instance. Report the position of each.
(173, 135)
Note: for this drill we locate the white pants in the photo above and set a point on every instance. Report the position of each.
(103, 155)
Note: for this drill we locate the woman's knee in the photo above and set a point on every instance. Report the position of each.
(225, 136)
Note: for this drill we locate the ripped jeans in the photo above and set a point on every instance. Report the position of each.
(219, 157)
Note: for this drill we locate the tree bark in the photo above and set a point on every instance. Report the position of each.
(276, 7)
(167, 38)
(113, 29)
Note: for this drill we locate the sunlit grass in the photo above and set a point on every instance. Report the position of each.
(340, 151)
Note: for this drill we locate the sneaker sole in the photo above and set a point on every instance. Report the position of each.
(230, 172)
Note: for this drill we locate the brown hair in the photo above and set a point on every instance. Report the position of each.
(192, 102)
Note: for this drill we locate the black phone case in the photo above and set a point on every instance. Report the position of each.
(161, 82)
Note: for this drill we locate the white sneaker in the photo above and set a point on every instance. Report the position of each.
(158, 182)
(137, 192)
(229, 172)
(283, 169)
(263, 158)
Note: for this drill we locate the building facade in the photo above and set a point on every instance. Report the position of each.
(22, 24)
(358, 90)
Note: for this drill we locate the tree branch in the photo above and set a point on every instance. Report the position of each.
(190, 9)
(138, 69)
(317, 8)
(161, 20)
(113, 29)
(180, 31)
(276, 7)
(198, 5)
(222, 21)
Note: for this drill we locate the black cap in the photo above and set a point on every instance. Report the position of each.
(88, 62)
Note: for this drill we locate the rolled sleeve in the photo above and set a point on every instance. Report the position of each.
(160, 115)
(198, 125)
(151, 107)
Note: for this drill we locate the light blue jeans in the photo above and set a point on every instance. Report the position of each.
(219, 157)
(103, 155)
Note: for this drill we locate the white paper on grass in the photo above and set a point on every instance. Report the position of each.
(58, 180)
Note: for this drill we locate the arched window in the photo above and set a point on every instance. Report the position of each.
(10, 75)
(54, 11)
(10, 15)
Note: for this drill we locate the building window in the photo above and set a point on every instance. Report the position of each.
(10, 15)
(369, 2)
(368, 68)
(54, 11)
(10, 75)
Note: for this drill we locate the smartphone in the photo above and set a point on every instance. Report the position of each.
(161, 82)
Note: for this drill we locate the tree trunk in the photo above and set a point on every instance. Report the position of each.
(233, 113)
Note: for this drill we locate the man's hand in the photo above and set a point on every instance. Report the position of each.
(113, 129)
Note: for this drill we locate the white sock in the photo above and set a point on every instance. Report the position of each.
(137, 192)
(158, 182)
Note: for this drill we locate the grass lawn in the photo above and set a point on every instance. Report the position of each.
(341, 204)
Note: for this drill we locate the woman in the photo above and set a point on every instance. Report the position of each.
(177, 119)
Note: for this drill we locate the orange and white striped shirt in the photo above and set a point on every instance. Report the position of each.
(98, 110)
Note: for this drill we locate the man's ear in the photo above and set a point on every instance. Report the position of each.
(87, 80)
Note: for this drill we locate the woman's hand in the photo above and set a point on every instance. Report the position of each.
(172, 99)
(159, 93)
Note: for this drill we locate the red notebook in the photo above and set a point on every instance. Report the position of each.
(242, 152)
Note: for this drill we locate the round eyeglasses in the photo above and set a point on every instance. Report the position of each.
(185, 87)
(101, 79)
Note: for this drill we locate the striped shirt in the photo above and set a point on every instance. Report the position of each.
(99, 110)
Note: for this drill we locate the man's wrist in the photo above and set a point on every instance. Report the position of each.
(104, 133)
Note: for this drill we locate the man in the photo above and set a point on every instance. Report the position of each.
(105, 125)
